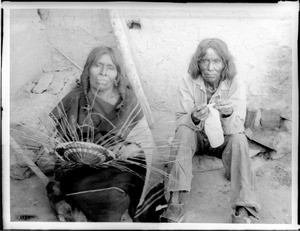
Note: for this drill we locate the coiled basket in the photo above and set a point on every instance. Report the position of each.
(85, 153)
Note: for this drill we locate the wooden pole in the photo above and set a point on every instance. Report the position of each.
(130, 68)
(28, 161)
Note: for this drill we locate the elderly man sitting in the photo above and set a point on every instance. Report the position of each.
(211, 86)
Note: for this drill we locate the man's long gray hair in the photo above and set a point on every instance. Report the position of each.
(221, 49)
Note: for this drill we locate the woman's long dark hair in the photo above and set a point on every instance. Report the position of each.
(93, 57)
(221, 49)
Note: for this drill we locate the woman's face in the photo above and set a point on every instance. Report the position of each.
(103, 73)
(211, 66)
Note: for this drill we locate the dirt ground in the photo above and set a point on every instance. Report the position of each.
(209, 198)
(210, 193)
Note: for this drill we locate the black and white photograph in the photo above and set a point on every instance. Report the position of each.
(128, 115)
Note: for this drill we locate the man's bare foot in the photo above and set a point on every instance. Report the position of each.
(241, 215)
(242, 211)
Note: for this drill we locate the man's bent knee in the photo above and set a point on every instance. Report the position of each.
(185, 130)
(185, 137)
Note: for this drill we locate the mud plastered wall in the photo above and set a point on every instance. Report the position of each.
(260, 41)
(35, 36)
(162, 43)
(48, 51)
(29, 50)
(76, 32)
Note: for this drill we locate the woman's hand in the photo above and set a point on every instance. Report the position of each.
(225, 107)
(201, 113)
(124, 151)
(64, 211)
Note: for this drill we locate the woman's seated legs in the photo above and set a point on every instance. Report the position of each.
(115, 191)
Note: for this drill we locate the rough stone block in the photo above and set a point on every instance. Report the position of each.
(286, 113)
(250, 117)
(257, 119)
(286, 126)
(20, 172)
(282, 144)
(43, 83)
(255, 149)
(47, 68)
(29, 86)
(270, 118)
(58, 82)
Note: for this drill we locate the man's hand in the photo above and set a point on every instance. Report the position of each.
(201, 113)
(225, 107)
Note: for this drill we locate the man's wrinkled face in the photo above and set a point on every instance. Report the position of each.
(211, 66)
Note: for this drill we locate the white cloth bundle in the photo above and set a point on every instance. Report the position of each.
(213, 127)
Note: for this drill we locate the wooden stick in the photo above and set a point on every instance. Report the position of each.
(131, 71)
(68, 58)
(28, 161)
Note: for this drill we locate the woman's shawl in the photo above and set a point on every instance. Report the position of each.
(125, 120)
(78, 120)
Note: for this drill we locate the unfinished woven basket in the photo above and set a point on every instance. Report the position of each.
(85, 153)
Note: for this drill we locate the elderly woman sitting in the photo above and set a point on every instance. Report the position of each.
(104, 111)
